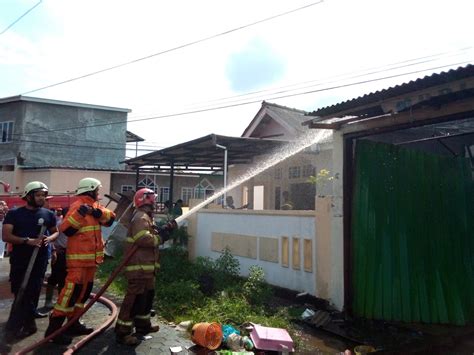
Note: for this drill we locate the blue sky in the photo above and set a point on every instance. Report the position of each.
(330, 44)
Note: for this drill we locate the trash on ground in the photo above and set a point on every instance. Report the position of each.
(266, 338)
(208, 335)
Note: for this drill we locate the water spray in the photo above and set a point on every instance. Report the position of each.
(307, 140)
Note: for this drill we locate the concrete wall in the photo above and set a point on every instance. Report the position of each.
(98, 147)
(281, 242)
(61, 181)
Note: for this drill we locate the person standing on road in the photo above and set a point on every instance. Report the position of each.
(58, 264)
(141, 270)
(3, 212)
(21, 228)
(84, 251)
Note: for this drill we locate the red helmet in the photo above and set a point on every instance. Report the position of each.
(144, 197)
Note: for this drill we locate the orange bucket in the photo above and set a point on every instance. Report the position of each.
(208, 335)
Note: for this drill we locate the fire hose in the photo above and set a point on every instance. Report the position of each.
(114, 274)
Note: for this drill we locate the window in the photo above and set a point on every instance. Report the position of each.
(186, 194)
(6, 130)
(164, 194)
(148, 183)
(309, 170)
(278, 173)
(294, 172)
(126, 188)
(204, 189)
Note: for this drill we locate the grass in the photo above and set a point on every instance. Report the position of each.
(209, 290)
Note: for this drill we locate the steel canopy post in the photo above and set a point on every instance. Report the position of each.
(225, 171)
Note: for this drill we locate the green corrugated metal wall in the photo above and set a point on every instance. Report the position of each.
(413, 236)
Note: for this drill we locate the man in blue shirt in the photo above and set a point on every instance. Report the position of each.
(21, 228)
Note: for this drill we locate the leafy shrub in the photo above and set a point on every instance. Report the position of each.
(255, 289)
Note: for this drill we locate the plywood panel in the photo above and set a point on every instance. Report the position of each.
(296, 253)
(241, 245)
(308, 255)
(285, 252)
(268, 249)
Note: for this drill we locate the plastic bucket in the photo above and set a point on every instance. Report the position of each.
(364, 349)
(208, 335)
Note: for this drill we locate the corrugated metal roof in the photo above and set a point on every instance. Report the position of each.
(202, 152)
(414, 85)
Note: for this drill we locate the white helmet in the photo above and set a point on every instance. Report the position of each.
(34, 186)
(87, 184)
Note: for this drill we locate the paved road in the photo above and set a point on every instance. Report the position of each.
(160, 342)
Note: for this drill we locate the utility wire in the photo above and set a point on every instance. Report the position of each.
(19, 18)
(283, 91)
(175, 48)
(313, 83)
(345, 76)
(259, 100)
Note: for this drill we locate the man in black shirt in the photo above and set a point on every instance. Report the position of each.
(21, 228)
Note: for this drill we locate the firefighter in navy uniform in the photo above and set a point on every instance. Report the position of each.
(21, 228)
(141, 270)
(84, 251)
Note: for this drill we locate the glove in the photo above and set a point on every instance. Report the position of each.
(165, 230)
(96, 213)
(83, 210)
(171, 225)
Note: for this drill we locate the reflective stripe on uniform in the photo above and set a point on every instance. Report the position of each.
(125, 323)
(89, 229)
(80, 256)
(60, 308)
(140, 267)
(74, 222)
(67, 295)
(137, 236)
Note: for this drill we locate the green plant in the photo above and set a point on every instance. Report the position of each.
(180, 236)
(321, 179)
(227, 263)
(255, 289)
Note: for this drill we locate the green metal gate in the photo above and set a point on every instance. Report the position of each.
(412, 235)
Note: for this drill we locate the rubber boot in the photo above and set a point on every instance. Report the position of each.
(54, 324)
(123, 335)
(29, 328)
(79, 328)
(128, 339)
(48, 301)
(144, 330)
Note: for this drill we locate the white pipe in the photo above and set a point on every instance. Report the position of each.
(225, 171)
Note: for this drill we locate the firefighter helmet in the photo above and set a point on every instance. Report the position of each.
(87, 184)
(144, 197)
(34, 186)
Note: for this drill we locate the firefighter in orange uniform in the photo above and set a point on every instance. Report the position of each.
(141, 270)
(84, 251)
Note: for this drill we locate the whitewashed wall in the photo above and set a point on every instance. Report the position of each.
(262, 224)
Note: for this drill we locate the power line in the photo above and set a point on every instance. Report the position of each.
(374, 71)
(175, 48)
(259, 100)
(19, 18)
(315, 83)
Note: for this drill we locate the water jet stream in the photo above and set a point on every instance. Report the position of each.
(312, 137)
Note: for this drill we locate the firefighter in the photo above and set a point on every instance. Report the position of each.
(84, 251)
(21, 229)
(140, 270)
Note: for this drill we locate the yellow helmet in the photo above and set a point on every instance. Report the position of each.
(34, 186)
(87, 184)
